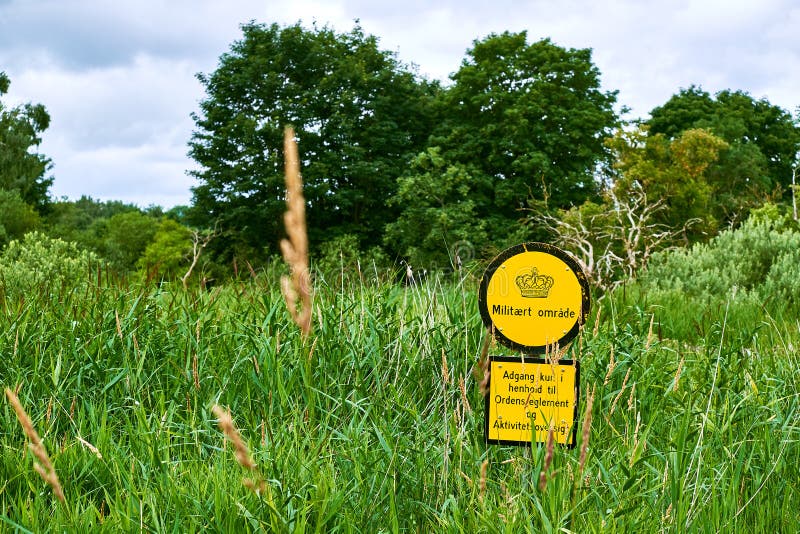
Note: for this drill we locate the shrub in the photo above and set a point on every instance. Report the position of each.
(169, 251)
(40, 263)
(751, 272)
(16, 216)
(744, 258)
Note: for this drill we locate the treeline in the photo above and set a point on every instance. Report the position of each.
(522, 144)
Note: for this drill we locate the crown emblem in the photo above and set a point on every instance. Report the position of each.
(534, 285)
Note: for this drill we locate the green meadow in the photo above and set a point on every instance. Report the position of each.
(375, 422)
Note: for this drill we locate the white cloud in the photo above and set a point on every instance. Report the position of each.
(139, 113)
(143, 174)
(118, 77)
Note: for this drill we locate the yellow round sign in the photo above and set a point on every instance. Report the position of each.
(534, 296)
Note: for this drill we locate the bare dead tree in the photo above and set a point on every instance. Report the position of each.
(580, 238)
(612, 246)
(200, 240)
(636, 232)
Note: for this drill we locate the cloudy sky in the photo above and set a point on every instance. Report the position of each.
(118, 77)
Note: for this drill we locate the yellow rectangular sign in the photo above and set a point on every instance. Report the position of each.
(526, 395)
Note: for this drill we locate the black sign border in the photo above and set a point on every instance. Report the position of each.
(523, 359)
(533, 246)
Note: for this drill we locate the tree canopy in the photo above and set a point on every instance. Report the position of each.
(522, 143)
(674, 172)
(531, 117)
(764, 140)
(521, 121)
(359, 116)
(22, 169)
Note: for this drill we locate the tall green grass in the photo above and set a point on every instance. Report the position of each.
(365, 426)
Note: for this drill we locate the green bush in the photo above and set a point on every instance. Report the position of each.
(752, 272)
(39, 263)
(342, 257)
(755, 257)
(169, 251)
(128, 235)
(16, 216)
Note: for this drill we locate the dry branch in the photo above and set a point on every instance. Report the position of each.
(614, 245)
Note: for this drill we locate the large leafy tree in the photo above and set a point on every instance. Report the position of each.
(763, 140)
(672, 172)
(22, 169)
(359, 116)
(531, 117)
(520, 121)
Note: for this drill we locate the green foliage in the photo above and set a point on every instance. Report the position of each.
(16, 217)
(22, 169)
(518, 118)
(127, 236)
(359, 116)
(735, 258)
(169, 251)
(84, 221)
(675, 170)
(377, 424)
(763, 141)
(530, 119)
(520, 121)
(754, 268)
(116, 231)
(439, 203)
(38, 263)
(340, 259)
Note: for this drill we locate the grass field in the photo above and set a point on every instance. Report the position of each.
(375, 423)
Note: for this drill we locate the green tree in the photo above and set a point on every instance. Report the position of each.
(671, 171)
(22, 169)
(763, 140)
(359, 116)
(16, 217)
(86, 222)
(530, 118)
(127, 236)
(168, 252)
(440, 204)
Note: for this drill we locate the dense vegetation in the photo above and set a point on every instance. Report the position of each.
(375, 423)
(122, 328)
(404, 169)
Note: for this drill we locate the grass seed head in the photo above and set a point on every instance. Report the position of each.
(482, 482)
(297, 288)
(585, 432)
(464, 401)
(548, 458)
(44, 466)
(445, 370)
(621, 391)
(596, 322)
(611, 365)
(481, 370)
(240, 450)
(632, 397)
(678, 375)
